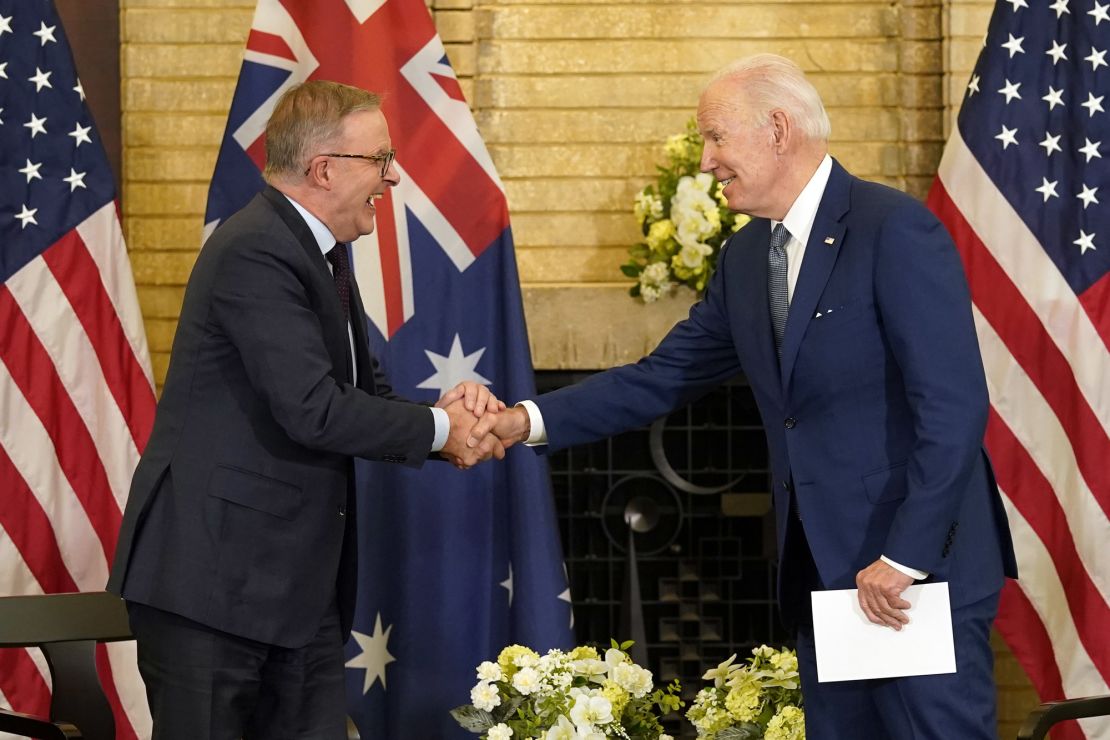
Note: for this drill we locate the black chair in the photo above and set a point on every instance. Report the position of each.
(1046, 715)
(66, 627)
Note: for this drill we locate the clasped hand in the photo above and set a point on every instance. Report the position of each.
(465, 404)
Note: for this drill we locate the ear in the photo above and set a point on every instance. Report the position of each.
(781, 130)
(319, 173)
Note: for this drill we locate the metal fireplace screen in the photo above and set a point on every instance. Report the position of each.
(693, 489)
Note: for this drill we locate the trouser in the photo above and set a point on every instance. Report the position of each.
(204, 684)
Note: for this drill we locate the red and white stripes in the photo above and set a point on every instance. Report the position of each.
(1045, 351)
(77, 401)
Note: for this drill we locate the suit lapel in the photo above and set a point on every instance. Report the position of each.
(340, 353)
(817, 264)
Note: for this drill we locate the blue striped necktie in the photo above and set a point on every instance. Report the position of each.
(778, 295)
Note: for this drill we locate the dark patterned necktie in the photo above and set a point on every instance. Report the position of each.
(341, 271)
(778, 295)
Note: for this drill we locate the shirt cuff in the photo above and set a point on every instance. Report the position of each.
(917, 575)
(443, 428)
(538, 434)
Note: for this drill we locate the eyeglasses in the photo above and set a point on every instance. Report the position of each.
(385, 159)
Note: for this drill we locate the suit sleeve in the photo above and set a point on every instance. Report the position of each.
(925, 307)
(260, 301)
(696, 355)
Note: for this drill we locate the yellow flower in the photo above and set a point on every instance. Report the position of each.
(510, 656)
(583, 652)
(660, 233)
(743, 701)
(788, 724)
(617, 696)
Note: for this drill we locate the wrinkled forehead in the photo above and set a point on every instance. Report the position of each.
(721, 106)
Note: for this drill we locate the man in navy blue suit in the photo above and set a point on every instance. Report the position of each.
(845, 304)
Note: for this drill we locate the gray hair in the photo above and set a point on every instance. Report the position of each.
(306, 118)
(772, 81)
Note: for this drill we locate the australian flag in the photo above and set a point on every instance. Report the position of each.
(453, 565)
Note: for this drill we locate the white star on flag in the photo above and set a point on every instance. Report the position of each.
(1054, 98)
(1057, 52)
(973, 86)
(1093, 104)
(1047, 189)
(79, 89)
(454, 368)
(45, 33)
(5, 24)
(1061, 7)
(1018, 4)
(31, 170)
(1090, 149)
(4, 70)
(1014, 45)
(80, 134)
(374, 656)
(1010, 90)
(1051, 144)
(1088, 196)
(1099, 13)
(507, 584)
(37, 125)
(41, 79)
(1096, 58)
(1084, 242)
(27, 216)
(1007, 137)
(76, 179)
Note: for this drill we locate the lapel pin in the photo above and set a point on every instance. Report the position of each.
(829, 240)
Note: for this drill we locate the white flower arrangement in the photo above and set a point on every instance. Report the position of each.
(685, 221)
(759, 699)
(576, 695)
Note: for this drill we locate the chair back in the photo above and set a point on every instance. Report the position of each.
(67, 627)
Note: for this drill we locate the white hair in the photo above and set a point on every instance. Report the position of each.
(771, 81)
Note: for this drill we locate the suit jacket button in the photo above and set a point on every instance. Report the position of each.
(790, 422)
(342, 511)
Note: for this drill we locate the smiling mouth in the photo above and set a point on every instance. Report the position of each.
(726, 181)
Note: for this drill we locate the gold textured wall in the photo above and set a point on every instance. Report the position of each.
(574, 99)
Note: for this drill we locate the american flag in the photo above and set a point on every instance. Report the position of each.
(453, 565)
(76, 396)
(1024, 188)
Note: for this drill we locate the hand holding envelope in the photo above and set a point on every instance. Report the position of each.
(850, 647)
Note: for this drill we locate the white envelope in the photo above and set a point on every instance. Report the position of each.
(849, 647)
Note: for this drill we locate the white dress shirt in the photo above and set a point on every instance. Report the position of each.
(327, 242)
(799, 223)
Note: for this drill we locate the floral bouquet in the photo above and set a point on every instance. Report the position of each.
(762, 699)
(566, 696)
(684, 219)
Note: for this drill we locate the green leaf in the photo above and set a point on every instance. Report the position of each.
(627, 644)
(632, 270)
(473, 719)
(746, 731)
(507, 709)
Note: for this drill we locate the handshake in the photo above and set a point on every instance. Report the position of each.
(481, 425)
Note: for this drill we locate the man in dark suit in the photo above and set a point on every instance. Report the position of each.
(845, 304)
(237, 550)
